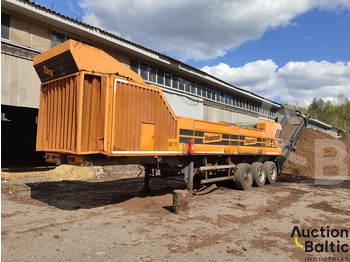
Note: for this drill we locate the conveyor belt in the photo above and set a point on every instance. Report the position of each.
(289, 126)
(293, 124)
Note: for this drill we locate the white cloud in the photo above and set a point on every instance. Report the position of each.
(296, 81)
(252, 74)
(198, 29)
(203, 29)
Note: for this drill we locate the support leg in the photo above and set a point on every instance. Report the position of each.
(146, 187)
(189, 178)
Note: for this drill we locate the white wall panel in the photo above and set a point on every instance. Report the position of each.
(20, 84)
(184, 106)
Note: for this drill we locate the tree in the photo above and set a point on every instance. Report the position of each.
(335, 113)
(317, 107)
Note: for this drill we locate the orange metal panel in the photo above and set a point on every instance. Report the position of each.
(41, 122)
(87, 58)
(73, 113)
(147, 137)
(137, 104)
(93, 114)
(66, 116)
(57, 115)
(248, 140)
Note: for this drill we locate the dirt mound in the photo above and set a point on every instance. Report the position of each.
(69, 172)
(319, 155)
(19, 173)
(62, 172)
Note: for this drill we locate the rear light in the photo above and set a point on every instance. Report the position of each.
(191, 147)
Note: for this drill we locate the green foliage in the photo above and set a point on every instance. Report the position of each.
(336, 113)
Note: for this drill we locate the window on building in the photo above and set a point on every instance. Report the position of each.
(181, 83)
(153, 74)
(227, 99)
(204, 91)
(217, 96)
(5, 26)
(175, 81)
(193, 87)
(243, 104)
(234, 101)
(57, 38)
(160, 76)
(208, 92)
(187, 85)
(199, 89)
(134, 66)
(167, 78)
(144, 71)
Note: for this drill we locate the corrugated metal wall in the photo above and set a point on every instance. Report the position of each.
(59, 115)
(135, 106)
(214, 114)
(94, 100)
(185, 106)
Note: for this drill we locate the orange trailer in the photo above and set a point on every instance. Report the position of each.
(94, 109)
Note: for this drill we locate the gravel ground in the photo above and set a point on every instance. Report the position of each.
(110, 220)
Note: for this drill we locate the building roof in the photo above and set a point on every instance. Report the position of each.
(73, 27)
(323, 125)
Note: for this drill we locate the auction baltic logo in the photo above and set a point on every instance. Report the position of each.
(324, 240)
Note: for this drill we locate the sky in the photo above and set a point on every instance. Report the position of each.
(286, 50)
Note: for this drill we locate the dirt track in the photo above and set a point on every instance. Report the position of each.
(107, 219)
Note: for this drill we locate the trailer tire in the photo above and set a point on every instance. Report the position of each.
(259, 174)
(271, 172)
(243, 176)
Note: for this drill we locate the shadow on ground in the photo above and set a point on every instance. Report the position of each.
(72, 195)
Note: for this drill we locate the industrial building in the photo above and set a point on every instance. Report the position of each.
(27, 29)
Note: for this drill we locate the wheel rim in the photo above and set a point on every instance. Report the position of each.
(247, 177)
(273, 173)
(261, 175)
